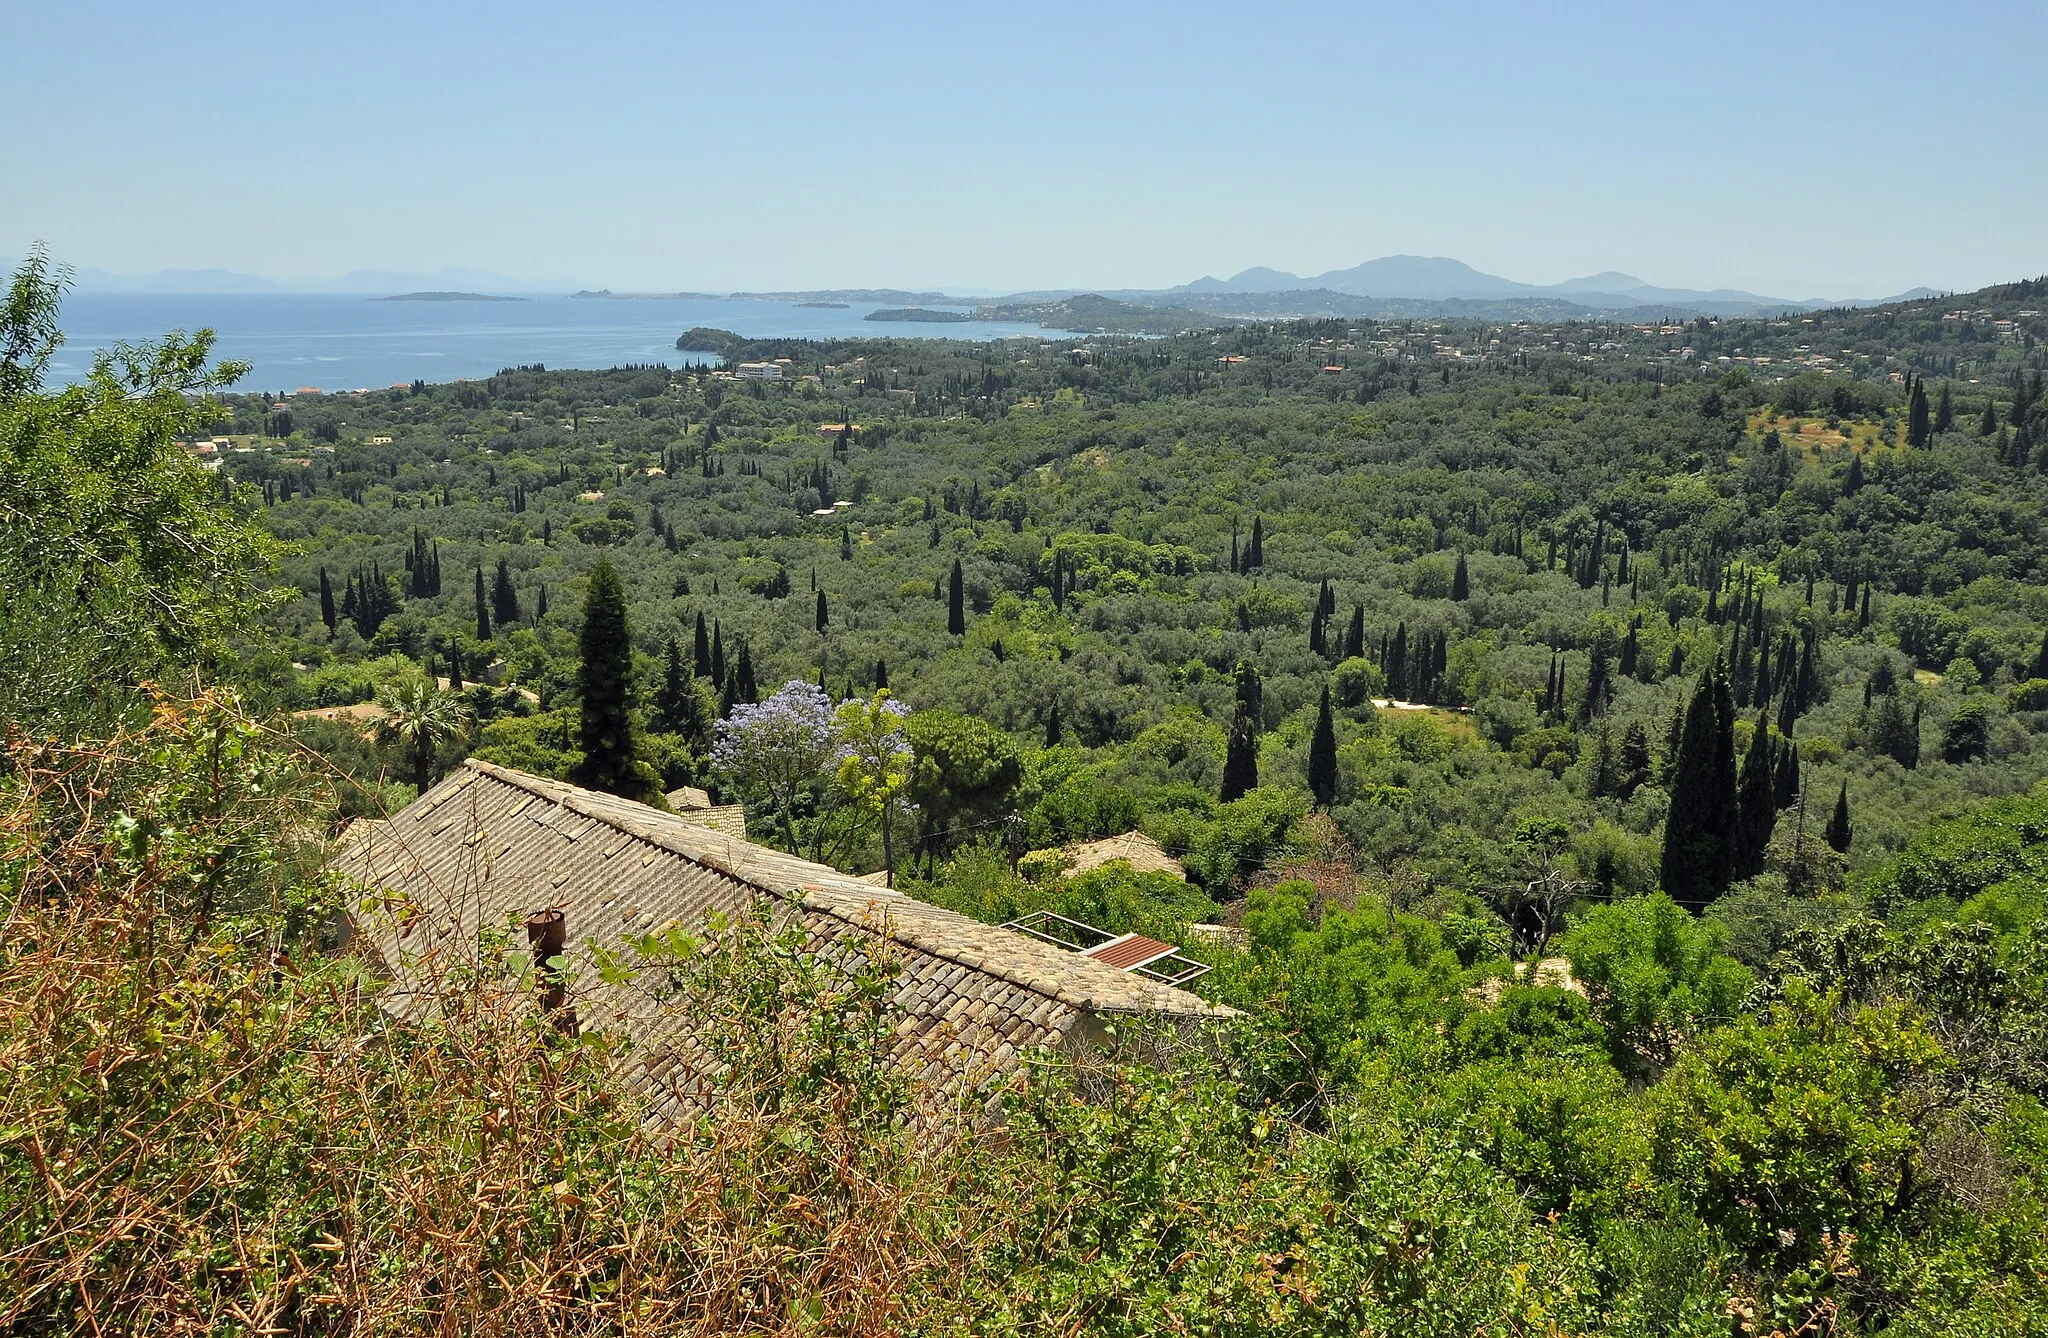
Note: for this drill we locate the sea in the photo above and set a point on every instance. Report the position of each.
(351, 342)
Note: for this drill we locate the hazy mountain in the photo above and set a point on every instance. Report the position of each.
(1439, 279)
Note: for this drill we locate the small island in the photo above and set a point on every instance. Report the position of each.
(448, 297)
(921, 314)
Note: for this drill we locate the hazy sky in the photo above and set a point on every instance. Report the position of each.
(1799, 150)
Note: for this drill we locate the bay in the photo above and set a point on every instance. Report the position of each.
(349, 342)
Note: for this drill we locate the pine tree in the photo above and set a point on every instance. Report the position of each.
(483, 609)
(1699, 832)
(1756, 804)
(327, 600)
(956, 602)
(1461, 581)
(1241, 757)
(504, 598)
(1839, 832)
(1322, 755)
(604, 680)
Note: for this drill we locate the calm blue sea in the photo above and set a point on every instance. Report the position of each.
(336, 342)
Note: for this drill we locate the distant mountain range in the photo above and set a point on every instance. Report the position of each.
(1391, 287)
(1433, 279)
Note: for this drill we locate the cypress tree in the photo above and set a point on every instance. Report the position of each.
(1255, 552)
(1944, 410)
(604, 680)
(1354, 639)
(744, 687)
(1599, 684)
(1635, 760)
(1756, 804)
(1699, 833)
(1988, 424)
(1241, 757)
(540, 604)
(327, 600)
(1461, 581)
(845, 544)
(702, 650)
(1786, 781)
(1916, 415)
(824, 621)
(483, 609)
(881, 674)
(1839, 832)
(504, 598)
(718, 674)
(1322, 755)
(956, 602)
(1052, 725)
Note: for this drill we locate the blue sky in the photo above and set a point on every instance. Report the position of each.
(1797, 150)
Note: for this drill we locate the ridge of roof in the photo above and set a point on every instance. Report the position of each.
(1052, 972)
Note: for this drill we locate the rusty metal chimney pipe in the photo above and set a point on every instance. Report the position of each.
(547, 936)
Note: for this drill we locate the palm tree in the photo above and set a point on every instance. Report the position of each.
(420, 716)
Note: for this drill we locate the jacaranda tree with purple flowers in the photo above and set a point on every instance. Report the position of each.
(772, 749)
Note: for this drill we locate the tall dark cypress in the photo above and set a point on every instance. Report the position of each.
(1756, 804)
(1599, 682)
(504, 598)
(1785, 781)
(1840, 833)
(1397, 664)
(1699, 833)
(702, 651)
(744, 687)
(956, 602)
(1916, 415)
(1241, 757)
(1255, 552)
(1322, 755)
(824, 618)
(327, 600)
(1461, 581)
(483, 609)
(604, 680)
(1354, 639)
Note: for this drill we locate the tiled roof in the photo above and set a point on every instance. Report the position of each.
(488, 845)
(1140, 851)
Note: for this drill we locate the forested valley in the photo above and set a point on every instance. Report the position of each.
(1606, 761)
